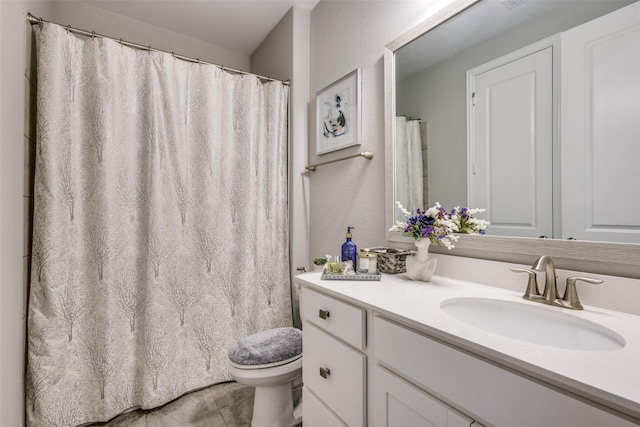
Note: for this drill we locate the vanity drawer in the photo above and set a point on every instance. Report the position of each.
(334, 316)
(336, 373)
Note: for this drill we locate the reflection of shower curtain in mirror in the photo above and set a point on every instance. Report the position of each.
(409, 181)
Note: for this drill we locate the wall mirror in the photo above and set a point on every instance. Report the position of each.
(427, 77)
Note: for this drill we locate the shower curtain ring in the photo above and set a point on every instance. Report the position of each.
(93, 34)
(40, 23)
(68, 28)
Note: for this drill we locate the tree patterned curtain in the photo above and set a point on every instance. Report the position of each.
(409, 166)
(160, 226)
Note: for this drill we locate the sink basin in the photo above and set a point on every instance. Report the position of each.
(534, 324)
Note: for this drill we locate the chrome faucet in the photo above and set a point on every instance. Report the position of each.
(550, 293)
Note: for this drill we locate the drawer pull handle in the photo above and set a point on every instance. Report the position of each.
(325, 372)
(323, 314)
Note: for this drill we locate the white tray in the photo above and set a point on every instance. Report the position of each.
(357, 276)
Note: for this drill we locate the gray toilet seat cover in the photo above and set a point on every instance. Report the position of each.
(270, 346)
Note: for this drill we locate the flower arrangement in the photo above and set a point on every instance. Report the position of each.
(433, 224)
(466, 223)
(439, 226)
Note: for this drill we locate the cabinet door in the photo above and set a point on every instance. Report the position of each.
(316, 414)
(407, 405)
(600, 110)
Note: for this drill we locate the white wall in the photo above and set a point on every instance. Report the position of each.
(346, 35)
(17, 138)
(274, 57)
(284, 54)
(87, 17)
(17, 148)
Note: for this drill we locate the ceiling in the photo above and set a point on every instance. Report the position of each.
(239, 25)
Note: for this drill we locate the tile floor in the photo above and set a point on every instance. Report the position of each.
(222, 405)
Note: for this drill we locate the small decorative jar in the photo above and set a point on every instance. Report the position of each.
(367, 262)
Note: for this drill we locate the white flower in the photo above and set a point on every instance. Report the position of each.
(403, 210)
(433, 224)
(466, 223)
(439, 226)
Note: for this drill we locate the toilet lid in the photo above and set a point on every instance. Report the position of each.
(267, 347)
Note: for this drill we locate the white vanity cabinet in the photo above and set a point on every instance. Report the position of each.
(499, 396)
(334, 366)
(368, 361)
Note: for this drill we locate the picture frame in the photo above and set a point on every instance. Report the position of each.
(339, 114)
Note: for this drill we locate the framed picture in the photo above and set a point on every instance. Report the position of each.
(338, 114)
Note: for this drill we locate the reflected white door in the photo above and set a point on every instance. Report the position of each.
(600, 115)
(511, 145)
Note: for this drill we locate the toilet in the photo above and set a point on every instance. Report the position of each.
(271, 361)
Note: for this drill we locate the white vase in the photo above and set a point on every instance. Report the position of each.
(419, 265)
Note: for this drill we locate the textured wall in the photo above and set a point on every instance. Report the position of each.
(346, 35)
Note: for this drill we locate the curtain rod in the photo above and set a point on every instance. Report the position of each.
(366, 154)
(409, 118)
(34, 20)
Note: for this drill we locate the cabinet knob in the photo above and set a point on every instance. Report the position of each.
(323, 314)
(325, 372)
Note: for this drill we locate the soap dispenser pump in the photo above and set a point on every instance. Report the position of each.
(349, 249)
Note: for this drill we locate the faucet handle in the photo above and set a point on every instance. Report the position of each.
(571, 294)
(532, 285)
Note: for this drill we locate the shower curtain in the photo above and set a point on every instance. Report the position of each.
(409, 167)
(160, 226)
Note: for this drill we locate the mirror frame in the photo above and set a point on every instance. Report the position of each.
(619, 259)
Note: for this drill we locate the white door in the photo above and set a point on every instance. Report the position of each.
(511, 145)
(600, 114)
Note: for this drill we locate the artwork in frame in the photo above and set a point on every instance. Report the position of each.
(338, 114)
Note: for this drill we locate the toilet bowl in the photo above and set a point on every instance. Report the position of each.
(271, 361)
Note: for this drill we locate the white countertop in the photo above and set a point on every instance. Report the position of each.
(611, 378)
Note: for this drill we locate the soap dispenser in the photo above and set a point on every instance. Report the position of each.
(349, 249)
